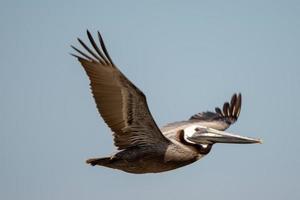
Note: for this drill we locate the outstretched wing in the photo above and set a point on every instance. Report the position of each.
(121, 104)
(221, 119)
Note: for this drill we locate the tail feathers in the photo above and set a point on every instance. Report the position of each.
(99, 161)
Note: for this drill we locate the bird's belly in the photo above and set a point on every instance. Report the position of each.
(139, 162)
(149, 166)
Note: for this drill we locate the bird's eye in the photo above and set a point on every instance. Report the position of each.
(200, 130)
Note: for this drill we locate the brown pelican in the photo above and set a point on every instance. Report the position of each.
(143, 146)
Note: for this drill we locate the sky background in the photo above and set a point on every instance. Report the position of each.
(187, 57)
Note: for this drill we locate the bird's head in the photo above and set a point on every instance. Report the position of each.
(203, 138)
(207, 136)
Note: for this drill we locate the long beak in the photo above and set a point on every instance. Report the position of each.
(216, 136)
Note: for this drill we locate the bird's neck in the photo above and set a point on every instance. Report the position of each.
(202, 149)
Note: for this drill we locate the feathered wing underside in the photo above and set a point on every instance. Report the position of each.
(121, 104)
(222, 118)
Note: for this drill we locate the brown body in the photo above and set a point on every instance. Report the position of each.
(173, 155)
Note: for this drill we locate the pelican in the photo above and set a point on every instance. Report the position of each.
(143, 147)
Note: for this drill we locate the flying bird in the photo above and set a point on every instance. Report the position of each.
(143, 146)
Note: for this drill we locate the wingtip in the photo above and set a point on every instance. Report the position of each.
(219, 111)
(76, 56)
(88, 33)
(100, 39)
(233, 109)
(72, 54)
(104, 48)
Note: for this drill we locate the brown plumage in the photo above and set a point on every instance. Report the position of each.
(143, 146)
(121, 104)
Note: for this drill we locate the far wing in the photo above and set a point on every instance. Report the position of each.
(221, 119)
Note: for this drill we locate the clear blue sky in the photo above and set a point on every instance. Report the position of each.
(187, 57)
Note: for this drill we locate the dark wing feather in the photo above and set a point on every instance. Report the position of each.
(121, 104)
(222, 118)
